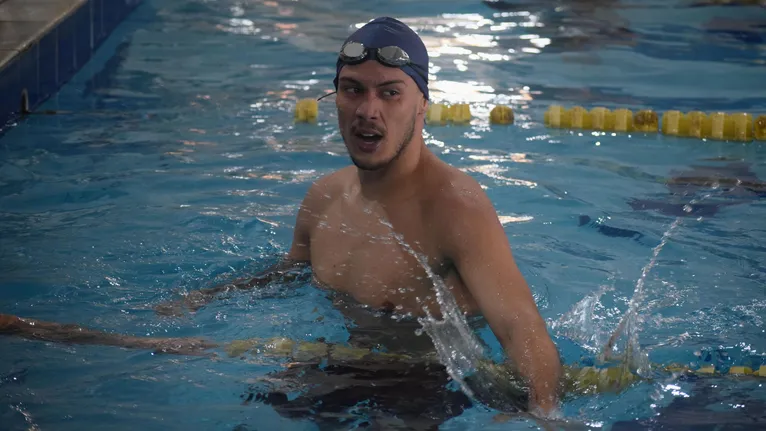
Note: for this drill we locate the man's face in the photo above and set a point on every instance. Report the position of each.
(379, 109)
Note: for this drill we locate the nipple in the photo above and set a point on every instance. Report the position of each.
(387, 307)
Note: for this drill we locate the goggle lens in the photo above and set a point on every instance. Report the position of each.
(390, 55)
(393, 55)
(353, 51)
(356, 52)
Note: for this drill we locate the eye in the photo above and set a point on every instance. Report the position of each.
(352, 89)
(391, 93)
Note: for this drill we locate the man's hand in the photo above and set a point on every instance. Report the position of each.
(477, 244)
(9, 324)
(286, 270)
(174, 346)
(195, 300)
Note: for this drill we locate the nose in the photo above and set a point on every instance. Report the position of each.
(369, 107)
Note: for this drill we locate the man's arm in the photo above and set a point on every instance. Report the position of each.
(288, 268)
(478, 246)
(33, 329)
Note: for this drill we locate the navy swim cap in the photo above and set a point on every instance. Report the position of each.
(385, 31)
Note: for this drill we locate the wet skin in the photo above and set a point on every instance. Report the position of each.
(347, 225)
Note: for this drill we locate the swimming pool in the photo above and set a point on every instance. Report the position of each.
(174, 162)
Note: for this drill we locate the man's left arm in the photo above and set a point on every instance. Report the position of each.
(479, 248)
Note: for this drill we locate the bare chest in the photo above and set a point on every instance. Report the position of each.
(357, 250)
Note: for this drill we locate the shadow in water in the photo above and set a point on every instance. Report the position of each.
(697, 412)
(704, 190)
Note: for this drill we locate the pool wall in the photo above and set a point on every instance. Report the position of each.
(43, 43)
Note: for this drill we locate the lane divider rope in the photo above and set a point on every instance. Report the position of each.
(721, 126)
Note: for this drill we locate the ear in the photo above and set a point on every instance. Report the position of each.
(423, 108)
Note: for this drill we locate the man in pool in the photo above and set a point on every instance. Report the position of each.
(352, 223)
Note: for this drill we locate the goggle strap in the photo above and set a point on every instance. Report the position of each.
(326, 95)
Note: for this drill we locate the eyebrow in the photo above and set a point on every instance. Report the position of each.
(382, 84)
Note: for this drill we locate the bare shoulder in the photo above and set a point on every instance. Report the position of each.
(455, 193)
(318, 198)
(458, 209)
(328, 188)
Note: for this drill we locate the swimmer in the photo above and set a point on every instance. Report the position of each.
(347, 222)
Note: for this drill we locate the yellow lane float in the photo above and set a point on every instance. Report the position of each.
(460, 113)
(441, 114)
(737, 126)
(721, 126)
(580, 118)
(306, 111)
(501, 114)
(759, 128)
(576, 380)
(623, 120)
(558, 117)
(602, 119)
(645, 121)
(438, 113)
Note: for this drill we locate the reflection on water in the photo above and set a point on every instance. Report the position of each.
(568, 26)
(501, 52)
(179, 157)
(457, 42)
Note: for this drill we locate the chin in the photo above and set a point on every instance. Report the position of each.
(369, 163)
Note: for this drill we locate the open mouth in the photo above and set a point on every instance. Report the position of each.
(369, 137)
(368, 142)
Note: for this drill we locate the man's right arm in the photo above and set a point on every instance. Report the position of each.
(288, 268)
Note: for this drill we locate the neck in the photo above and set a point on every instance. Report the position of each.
(398, 177)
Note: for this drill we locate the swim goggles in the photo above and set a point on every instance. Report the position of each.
(393, 56)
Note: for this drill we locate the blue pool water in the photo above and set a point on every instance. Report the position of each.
(173, 163)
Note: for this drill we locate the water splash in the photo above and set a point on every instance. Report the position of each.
(461, 351)
(457, 345)
(585, 322)
(632, 320)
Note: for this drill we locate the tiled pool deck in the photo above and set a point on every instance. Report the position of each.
(43, 43)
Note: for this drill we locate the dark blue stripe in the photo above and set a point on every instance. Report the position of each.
(49, 63)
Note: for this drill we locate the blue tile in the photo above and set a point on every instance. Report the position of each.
(48, 62)
(67, 32)
(29, 77)
(99, 33)
(114, 11)
(92, 24)
(10, 94)
(81, 23)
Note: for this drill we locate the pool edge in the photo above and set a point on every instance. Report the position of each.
(60, 46)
